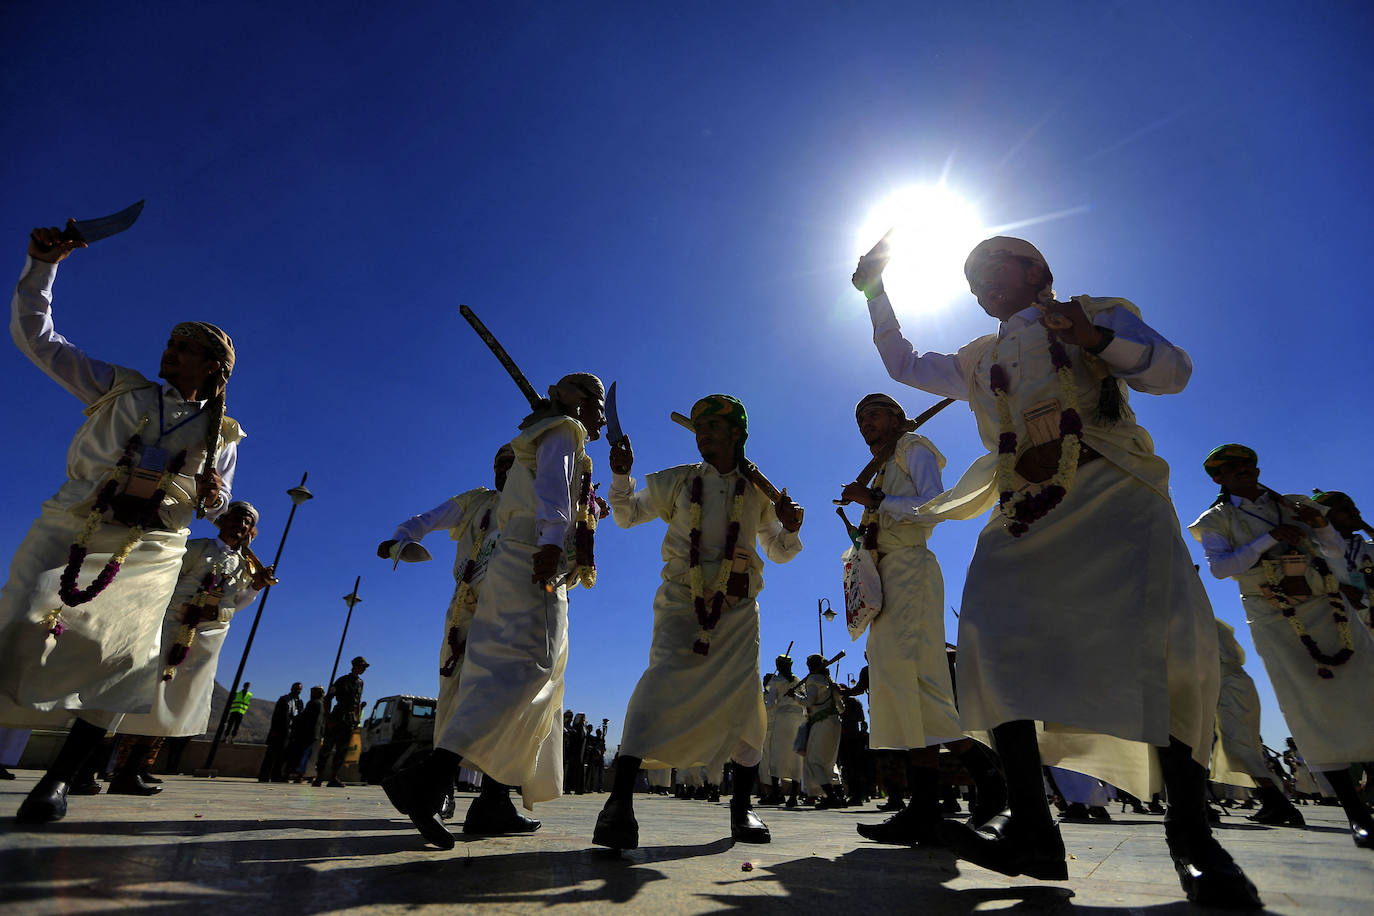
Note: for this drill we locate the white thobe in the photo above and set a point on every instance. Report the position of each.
(1329, 717)
(507, 718)
(910, 698)
(1237, 757)
(819, 697)
(181, 706)
(690, 709)
(463, 516)
(788, 716)
(1136, 637)
(105, 662)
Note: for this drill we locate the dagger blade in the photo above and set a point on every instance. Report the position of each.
(102, 227)
(614, 434)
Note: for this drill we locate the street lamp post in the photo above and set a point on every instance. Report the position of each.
(823, 612)
(299, 495)
(350, 599)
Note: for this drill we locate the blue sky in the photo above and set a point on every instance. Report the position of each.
(669, 197)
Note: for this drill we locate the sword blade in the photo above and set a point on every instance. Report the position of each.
(102, 227)
(502, 357)
(614, 433)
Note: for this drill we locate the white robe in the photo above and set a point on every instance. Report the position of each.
(181, 706)
(507, 718)
(819, 697)
(910, 697)
(1237, 756)
(690, 709)
(788, 716)
(1136, 639)
(1329, 717)
(462, 515)
(106, 660)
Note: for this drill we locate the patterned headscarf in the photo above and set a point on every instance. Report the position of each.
(218, 344)
(731, 410)
(243, 505)
(878, 399)
(1220, 456)
(566, 394)
(1330, 498)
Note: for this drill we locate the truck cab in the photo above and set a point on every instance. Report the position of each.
(399, 731)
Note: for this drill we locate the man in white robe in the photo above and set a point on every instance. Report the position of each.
(1355, 570)
(824, 704)
(216, 582)
(1283, 553)
(63, 650)
(698, 703)
(1081, 498)
(470, 519)
(784, 765)
(506, 720)
(1238, 755)
(910, 694)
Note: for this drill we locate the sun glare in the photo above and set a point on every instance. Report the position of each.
(933, 230)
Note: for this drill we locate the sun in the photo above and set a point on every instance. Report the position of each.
(933, 230)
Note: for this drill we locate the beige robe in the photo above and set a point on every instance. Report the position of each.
(507, 718)
(458, 618)
(1237, 755)
(787, 715)
(690, 709)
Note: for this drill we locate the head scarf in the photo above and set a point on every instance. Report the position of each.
(1330, 498)
(815, 663)
(878, 399)
(783, 663)
(215, 342)
(1220, 456)
(729, 409)
(566, 395)
(1005, 245)
(243, 505)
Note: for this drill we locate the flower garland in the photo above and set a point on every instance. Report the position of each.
(212, 585)
(1273, 590)
(465, 599)
(67, 589)
(708, 618)
(583, 568)
(1022, 509)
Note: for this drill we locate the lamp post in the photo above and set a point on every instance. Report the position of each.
(299, 496)
(823, 613)
(350, 599)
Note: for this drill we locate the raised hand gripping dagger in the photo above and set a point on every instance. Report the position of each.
(102, 227)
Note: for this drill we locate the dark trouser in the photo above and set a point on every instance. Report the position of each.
(333, 749)
(298, 754)
(231, 726)
(273, 758)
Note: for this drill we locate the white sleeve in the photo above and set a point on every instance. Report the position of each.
(779, 544)
(553, 481)
(629, 508)
(447, 514)
(1329, 542)
(1140, 356)
(938, 373)
(1226, 561)
(32, 329)
(925, 474)
(226, 463)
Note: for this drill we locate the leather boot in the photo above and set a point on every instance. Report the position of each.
(1025, 840)
(493, 813)
(1207, 873)
(745, 825)
(1275, 808)
(990, 784)
(47, 801)
(419, 792)
(1356, 811)
(917, 824)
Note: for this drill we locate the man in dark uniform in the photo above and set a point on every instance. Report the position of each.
(305, 734)
(339, 722)
(289, 706)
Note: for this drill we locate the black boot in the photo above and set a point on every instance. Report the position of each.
(990, 784)
(1207, 873)
(1275, 808)
(1356, 811)
(616, 827)
(47, 801)
(419, 792)
(920, 822)
(127, 780)
(1026, 840)
(745, 825)
(492, 812)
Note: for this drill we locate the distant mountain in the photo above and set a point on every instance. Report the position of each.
(256, 721)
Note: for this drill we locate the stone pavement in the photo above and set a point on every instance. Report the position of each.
(236, 846)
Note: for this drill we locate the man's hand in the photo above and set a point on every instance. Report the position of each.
(1311, 517)
(1080, 330)
(857, 493)
(47, 244)
(264, 577)
(622, 457)
(384, 549)
(1290, 534)
(868, 276)
(208, 486)
(546, 562)
(788, 512)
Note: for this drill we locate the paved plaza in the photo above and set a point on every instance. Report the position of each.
(237, 846)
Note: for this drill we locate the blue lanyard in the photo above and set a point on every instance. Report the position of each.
(162, 431)
(1277, 508)
(1353, 551)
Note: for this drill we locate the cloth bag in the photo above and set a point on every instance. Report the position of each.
(863, 590)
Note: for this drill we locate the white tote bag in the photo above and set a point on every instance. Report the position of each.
(863, 590)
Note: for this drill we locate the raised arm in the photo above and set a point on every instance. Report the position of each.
(31, 326)
(938, 373)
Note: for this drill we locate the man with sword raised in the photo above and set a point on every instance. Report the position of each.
(81, 615)
(699, 701)
(506, 718)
